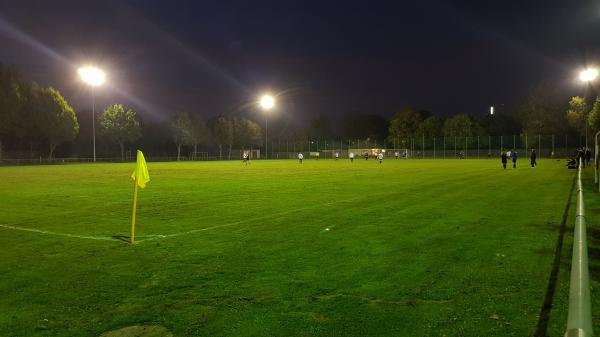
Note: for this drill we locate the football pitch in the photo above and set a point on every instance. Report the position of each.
(275, 248)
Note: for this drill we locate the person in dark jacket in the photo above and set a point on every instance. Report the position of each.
(588, 156)
(581, 157)
(533, 158)
(513, 154)
(504, 159)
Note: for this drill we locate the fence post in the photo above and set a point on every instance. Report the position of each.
(490, 146)
(433, 147)
(526, 145)
(552, 154)
(423, 154)
(455, 148)
(539, 145)
(477, 147)
(444, 147)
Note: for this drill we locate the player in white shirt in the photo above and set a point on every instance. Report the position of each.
(337, 155)
(245, 158)
(397, 154)
(380, 157)
(351, 157)
(300, 157)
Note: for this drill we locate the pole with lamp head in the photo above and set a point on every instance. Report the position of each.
(267, 102)
(93, 77)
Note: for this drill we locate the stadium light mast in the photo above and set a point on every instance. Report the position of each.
(588, 76)
(93, 77)
(267, 102)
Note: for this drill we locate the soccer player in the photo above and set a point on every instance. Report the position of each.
(351, 157)
(245, 158)
(533, 158)
(504, 159)
(513, 154)
(300, 157)
(397, 154)
(380, 157)
(337, 156)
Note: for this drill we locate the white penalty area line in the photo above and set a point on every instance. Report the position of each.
(24, 229)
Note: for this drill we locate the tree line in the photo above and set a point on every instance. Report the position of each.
(40, 119)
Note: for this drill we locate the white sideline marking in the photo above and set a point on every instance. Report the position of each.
(273, 215)
(101, 238)
(164, 236)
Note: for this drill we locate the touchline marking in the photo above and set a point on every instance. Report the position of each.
(272, 216)
(151, 237)
(101, 238)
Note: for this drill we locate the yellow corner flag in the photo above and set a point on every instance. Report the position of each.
(140, 177)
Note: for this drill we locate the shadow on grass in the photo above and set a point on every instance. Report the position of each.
(542, 326)
(122, 238)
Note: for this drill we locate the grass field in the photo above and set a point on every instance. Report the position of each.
(405, 248)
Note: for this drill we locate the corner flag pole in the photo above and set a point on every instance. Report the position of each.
(140, 177)
(135, 193)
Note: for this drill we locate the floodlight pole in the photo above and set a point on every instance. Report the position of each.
(94, 122)
(596, 159)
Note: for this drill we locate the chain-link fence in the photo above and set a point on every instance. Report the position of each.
(476, 147)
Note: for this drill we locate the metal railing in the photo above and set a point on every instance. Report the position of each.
(579, 322)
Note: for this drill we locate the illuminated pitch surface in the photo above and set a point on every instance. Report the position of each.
(403, 248)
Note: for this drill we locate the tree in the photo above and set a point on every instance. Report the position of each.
(404, 125)
(246, 133)
(26, 126)
(431, 127)
(458, 126)
(9, 102)
(199, 133)
(320, 127)
(222, 129)
(55, 118)
(577, 115)
(594, 116)
(181, 130)
(366, 126)
(120, 125)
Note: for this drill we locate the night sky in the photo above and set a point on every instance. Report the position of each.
(328, 58)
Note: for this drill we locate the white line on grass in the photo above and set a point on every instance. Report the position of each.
(101, 238)
(164, 236)
(271, 216)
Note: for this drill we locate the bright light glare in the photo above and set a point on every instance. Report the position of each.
(491, 110)
(267, 102)
(92, 75)
(588, 75)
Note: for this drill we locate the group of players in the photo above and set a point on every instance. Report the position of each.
(514, 156)
(350, 156)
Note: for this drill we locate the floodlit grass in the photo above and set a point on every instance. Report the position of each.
(405, 248)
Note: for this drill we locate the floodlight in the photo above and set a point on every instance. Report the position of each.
(267, 102)
(92, 75)
(588, 75)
